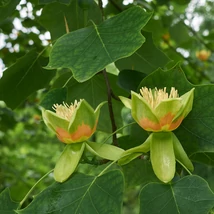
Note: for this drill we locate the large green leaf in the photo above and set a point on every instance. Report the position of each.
(146, 59)
(23, 78)
(7, 206)
(88, 50)
(81, 194)
(190, 194)
(71, 15)
(143, 175)
(196, 131)
(57, 95)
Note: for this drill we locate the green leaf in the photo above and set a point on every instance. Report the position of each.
(203, 157)
(146, 59)
(129, 79)
(143, 175)
(7, 118)
(88, 50)
(81, 194)
(68, 161)
(4, 2)
(50, 1)
(23, 78)
(7, 206)
(71, 15)
(190, 194)
(54, 96)
(7, 8)
(196, 131)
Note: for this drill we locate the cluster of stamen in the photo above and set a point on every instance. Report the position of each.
(64, 110)
(155, 96)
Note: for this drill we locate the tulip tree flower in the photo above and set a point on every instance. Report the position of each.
(158, 112)
(73, 125)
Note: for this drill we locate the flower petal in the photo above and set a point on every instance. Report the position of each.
(126, 101)
(105, 151)
(187, 100)
(83, 123)
(135, 152)
(162, 156)
(180, 154)
(53, 121)
(171, 105)
(143, 114)
(68, 161)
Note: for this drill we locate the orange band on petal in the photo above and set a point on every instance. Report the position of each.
(166, 121)
(82, 131)
(62, 134)
(175, 124)
(149, 125)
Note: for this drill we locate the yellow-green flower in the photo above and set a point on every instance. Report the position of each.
(156, 110)
(72, 123)
(160, 113)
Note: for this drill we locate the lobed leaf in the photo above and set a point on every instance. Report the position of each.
(81, 194)
(190, 194)
(88, 50)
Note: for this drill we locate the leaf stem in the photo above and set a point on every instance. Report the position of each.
(33, 187)
(184, 166)
(101, 173)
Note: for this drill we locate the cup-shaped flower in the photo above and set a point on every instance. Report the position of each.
(72, 123)
(156, 110)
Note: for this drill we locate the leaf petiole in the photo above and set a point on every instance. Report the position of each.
(32, 188)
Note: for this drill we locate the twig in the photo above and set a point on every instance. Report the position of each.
(109, 90)
(110, 107)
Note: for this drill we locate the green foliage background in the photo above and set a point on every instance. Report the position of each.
(163, 46)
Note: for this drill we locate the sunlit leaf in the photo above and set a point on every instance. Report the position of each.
(81, 194)
(88, 50)
(190, 194)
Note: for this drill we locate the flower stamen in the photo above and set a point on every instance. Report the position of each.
(64, 110)
(155, 96)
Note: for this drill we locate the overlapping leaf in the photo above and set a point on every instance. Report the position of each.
(146, 59)
(81, 194)
(23, 78)
(87, 51)
(190, 194)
